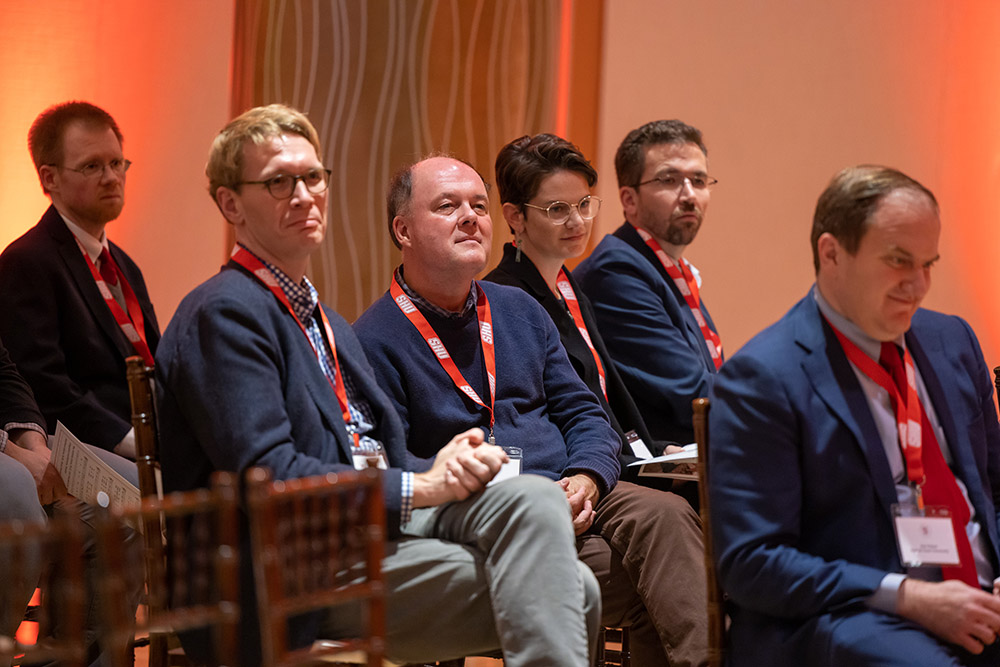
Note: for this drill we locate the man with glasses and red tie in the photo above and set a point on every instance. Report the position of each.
(646, 296)
(856, 456)
(74, 304)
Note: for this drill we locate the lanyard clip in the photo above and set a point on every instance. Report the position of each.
(918, 490)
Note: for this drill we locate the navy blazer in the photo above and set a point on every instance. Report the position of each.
(238, 385)
(619, 405)
(801, 489)
(62, 335)
(649, 332)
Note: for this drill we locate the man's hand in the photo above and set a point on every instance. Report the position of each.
(464, 466)
(28, 448)
(582, 493)
(680, 468)
(952, 610)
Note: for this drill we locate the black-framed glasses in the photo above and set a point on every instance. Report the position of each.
(674, 180)
(118, 165)
(283, 185)
(559, 211)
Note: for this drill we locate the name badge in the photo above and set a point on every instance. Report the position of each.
(925, 537)
(639, 448)
(372, 460)
(510, 469)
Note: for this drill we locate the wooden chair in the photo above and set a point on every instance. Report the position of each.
(613, 649)
(147, 460)
(318, 542)
(192, 576)
(716, 597)
(60, 614)
(147, 442)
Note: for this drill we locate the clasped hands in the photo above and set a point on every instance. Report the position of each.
(467, 464)
(462, 467)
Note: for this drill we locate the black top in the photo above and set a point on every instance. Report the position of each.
(17, 403)
(619, 405)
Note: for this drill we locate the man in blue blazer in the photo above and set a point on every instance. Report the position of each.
(809, 481)
(255, 371)
(645, 294)
(59, 322)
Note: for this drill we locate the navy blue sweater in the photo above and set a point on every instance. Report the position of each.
(542, 406)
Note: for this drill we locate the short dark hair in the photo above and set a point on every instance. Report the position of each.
(45, 138)
(401, 189)
(630, 158)
(846, 206)
(523, 163)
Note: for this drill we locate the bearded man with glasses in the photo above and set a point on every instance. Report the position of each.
(75, 305)
(645, 294)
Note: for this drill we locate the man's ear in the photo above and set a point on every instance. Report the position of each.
(401, 229)
(828, 250)
(229, 204)
(514, 217)
(629, 199)
(48, 178)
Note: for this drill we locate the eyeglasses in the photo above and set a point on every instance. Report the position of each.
(559, 211)
(118, 165)
(283, 185)
(675, 181)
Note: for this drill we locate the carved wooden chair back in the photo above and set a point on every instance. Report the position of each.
(317, 543)
(191, 573)
(52, 552)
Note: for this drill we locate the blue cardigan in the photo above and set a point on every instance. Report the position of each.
(542, 406)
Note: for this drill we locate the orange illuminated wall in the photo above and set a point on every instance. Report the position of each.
(162, 70)
(787, 93)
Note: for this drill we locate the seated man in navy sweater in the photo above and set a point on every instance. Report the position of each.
(255, 371)
(454, 354)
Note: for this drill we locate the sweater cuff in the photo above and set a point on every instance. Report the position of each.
(18, 426)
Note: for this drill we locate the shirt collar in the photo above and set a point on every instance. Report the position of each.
(303, 297)
(851, 331)
(424, 304)
(91, 245)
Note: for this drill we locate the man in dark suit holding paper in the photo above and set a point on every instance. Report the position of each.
(74, 304)
(840, 435)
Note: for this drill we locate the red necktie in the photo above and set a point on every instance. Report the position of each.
(108, 269)
(940, 489)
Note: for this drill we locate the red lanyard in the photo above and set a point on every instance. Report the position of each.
(908, 410)
(685, 282)
(437, 347)
(132, 323)
(249, 261)
(562, 282)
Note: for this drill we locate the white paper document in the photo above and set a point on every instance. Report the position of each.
(663, 466)
(88, 477)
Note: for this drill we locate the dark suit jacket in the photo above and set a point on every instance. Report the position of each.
(63, 337)
(649, 331)
(621, 409)
(801, 488)
(238, 386)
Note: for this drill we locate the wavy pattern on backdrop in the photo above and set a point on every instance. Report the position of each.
(387, 82)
